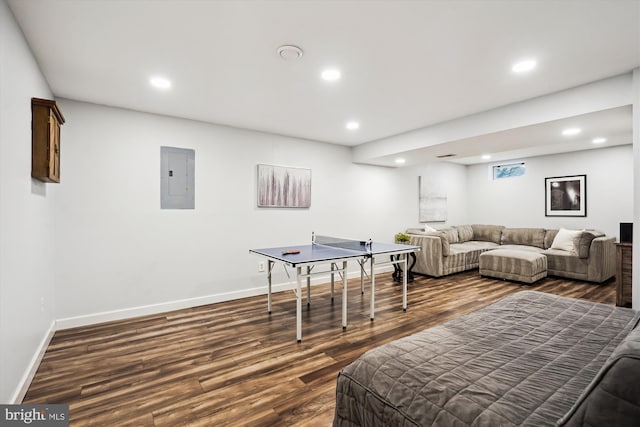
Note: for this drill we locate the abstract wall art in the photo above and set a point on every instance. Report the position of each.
(283, 187)
(433, 200)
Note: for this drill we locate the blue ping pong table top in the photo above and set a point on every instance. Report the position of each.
(320, 253)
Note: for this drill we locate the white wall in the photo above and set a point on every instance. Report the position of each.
(117, 250)
(26, 218)
(635, 291)
(519, 201)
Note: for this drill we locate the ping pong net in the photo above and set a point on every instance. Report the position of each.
(337, 242)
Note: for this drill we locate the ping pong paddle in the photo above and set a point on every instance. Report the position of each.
(290, 252)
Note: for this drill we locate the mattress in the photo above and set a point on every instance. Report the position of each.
(521, 361)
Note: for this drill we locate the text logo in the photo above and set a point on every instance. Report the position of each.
(34, 415)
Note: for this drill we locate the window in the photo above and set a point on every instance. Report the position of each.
(508, 171)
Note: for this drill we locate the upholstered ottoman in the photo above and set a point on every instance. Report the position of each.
(521, 266)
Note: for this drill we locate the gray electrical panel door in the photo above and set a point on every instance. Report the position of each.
(177, 178)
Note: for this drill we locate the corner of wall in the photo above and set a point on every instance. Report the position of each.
(636, 190)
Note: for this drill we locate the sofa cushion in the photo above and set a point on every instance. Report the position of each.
(549, 235)
(613, 396)
(566, 262)
(451, 233)
(475, 245)
(524, 236)
(518, 265)
(522, 248)
(564, 240)
(465, 233)
(456, 261)
(472, 250)
(487, 233)
(582, 242)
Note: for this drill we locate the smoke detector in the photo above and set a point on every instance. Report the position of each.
(289, 52)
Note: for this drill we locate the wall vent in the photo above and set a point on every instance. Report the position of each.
(443, 156)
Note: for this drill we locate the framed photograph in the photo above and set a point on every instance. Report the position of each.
(566, 195)
(283, 187)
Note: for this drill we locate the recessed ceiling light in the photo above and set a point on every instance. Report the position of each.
(160, 82)
(571, 131)
(353, 125)
(599, 140)
(524, 66)
(400, 160)
(486, 156)
(331, 74)
(288, 52)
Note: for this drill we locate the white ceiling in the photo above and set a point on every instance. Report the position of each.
(615, 125)
(405, 64)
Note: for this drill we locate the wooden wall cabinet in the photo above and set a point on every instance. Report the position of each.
(623, 274)
(46, 120)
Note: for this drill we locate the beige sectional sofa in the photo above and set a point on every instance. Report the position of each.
(458, 248)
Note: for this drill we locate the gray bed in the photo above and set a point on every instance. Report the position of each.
(530, 359)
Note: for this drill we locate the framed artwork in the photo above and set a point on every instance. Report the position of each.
(566, 195)
(283, 187)
(432, 200)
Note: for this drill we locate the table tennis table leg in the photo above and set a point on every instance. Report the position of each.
(269, 269)
(308, 286)
(404, 283)
(344, 295)
(333, 266)
(361, 277)
(299, 305)
(373, 290)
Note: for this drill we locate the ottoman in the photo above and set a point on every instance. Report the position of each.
(521, 266)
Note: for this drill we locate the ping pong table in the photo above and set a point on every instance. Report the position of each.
(335, 252)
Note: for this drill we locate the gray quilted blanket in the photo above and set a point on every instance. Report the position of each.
(521, 361)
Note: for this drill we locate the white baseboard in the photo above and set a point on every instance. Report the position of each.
(127, 313)
(33, 366)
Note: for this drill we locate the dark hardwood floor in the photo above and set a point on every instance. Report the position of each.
(233, 364)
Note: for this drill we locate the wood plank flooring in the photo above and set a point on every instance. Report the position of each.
(233, 364)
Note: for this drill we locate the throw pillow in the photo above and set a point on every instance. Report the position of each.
(451, 233)
(487, 233)
(524, 236)
(548, 238)
(429, 229)
(564, 240)
(465, 233)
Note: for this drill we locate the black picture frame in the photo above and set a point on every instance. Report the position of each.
(566, 196)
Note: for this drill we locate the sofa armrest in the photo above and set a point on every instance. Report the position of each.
(602, 259)
(429, 260)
